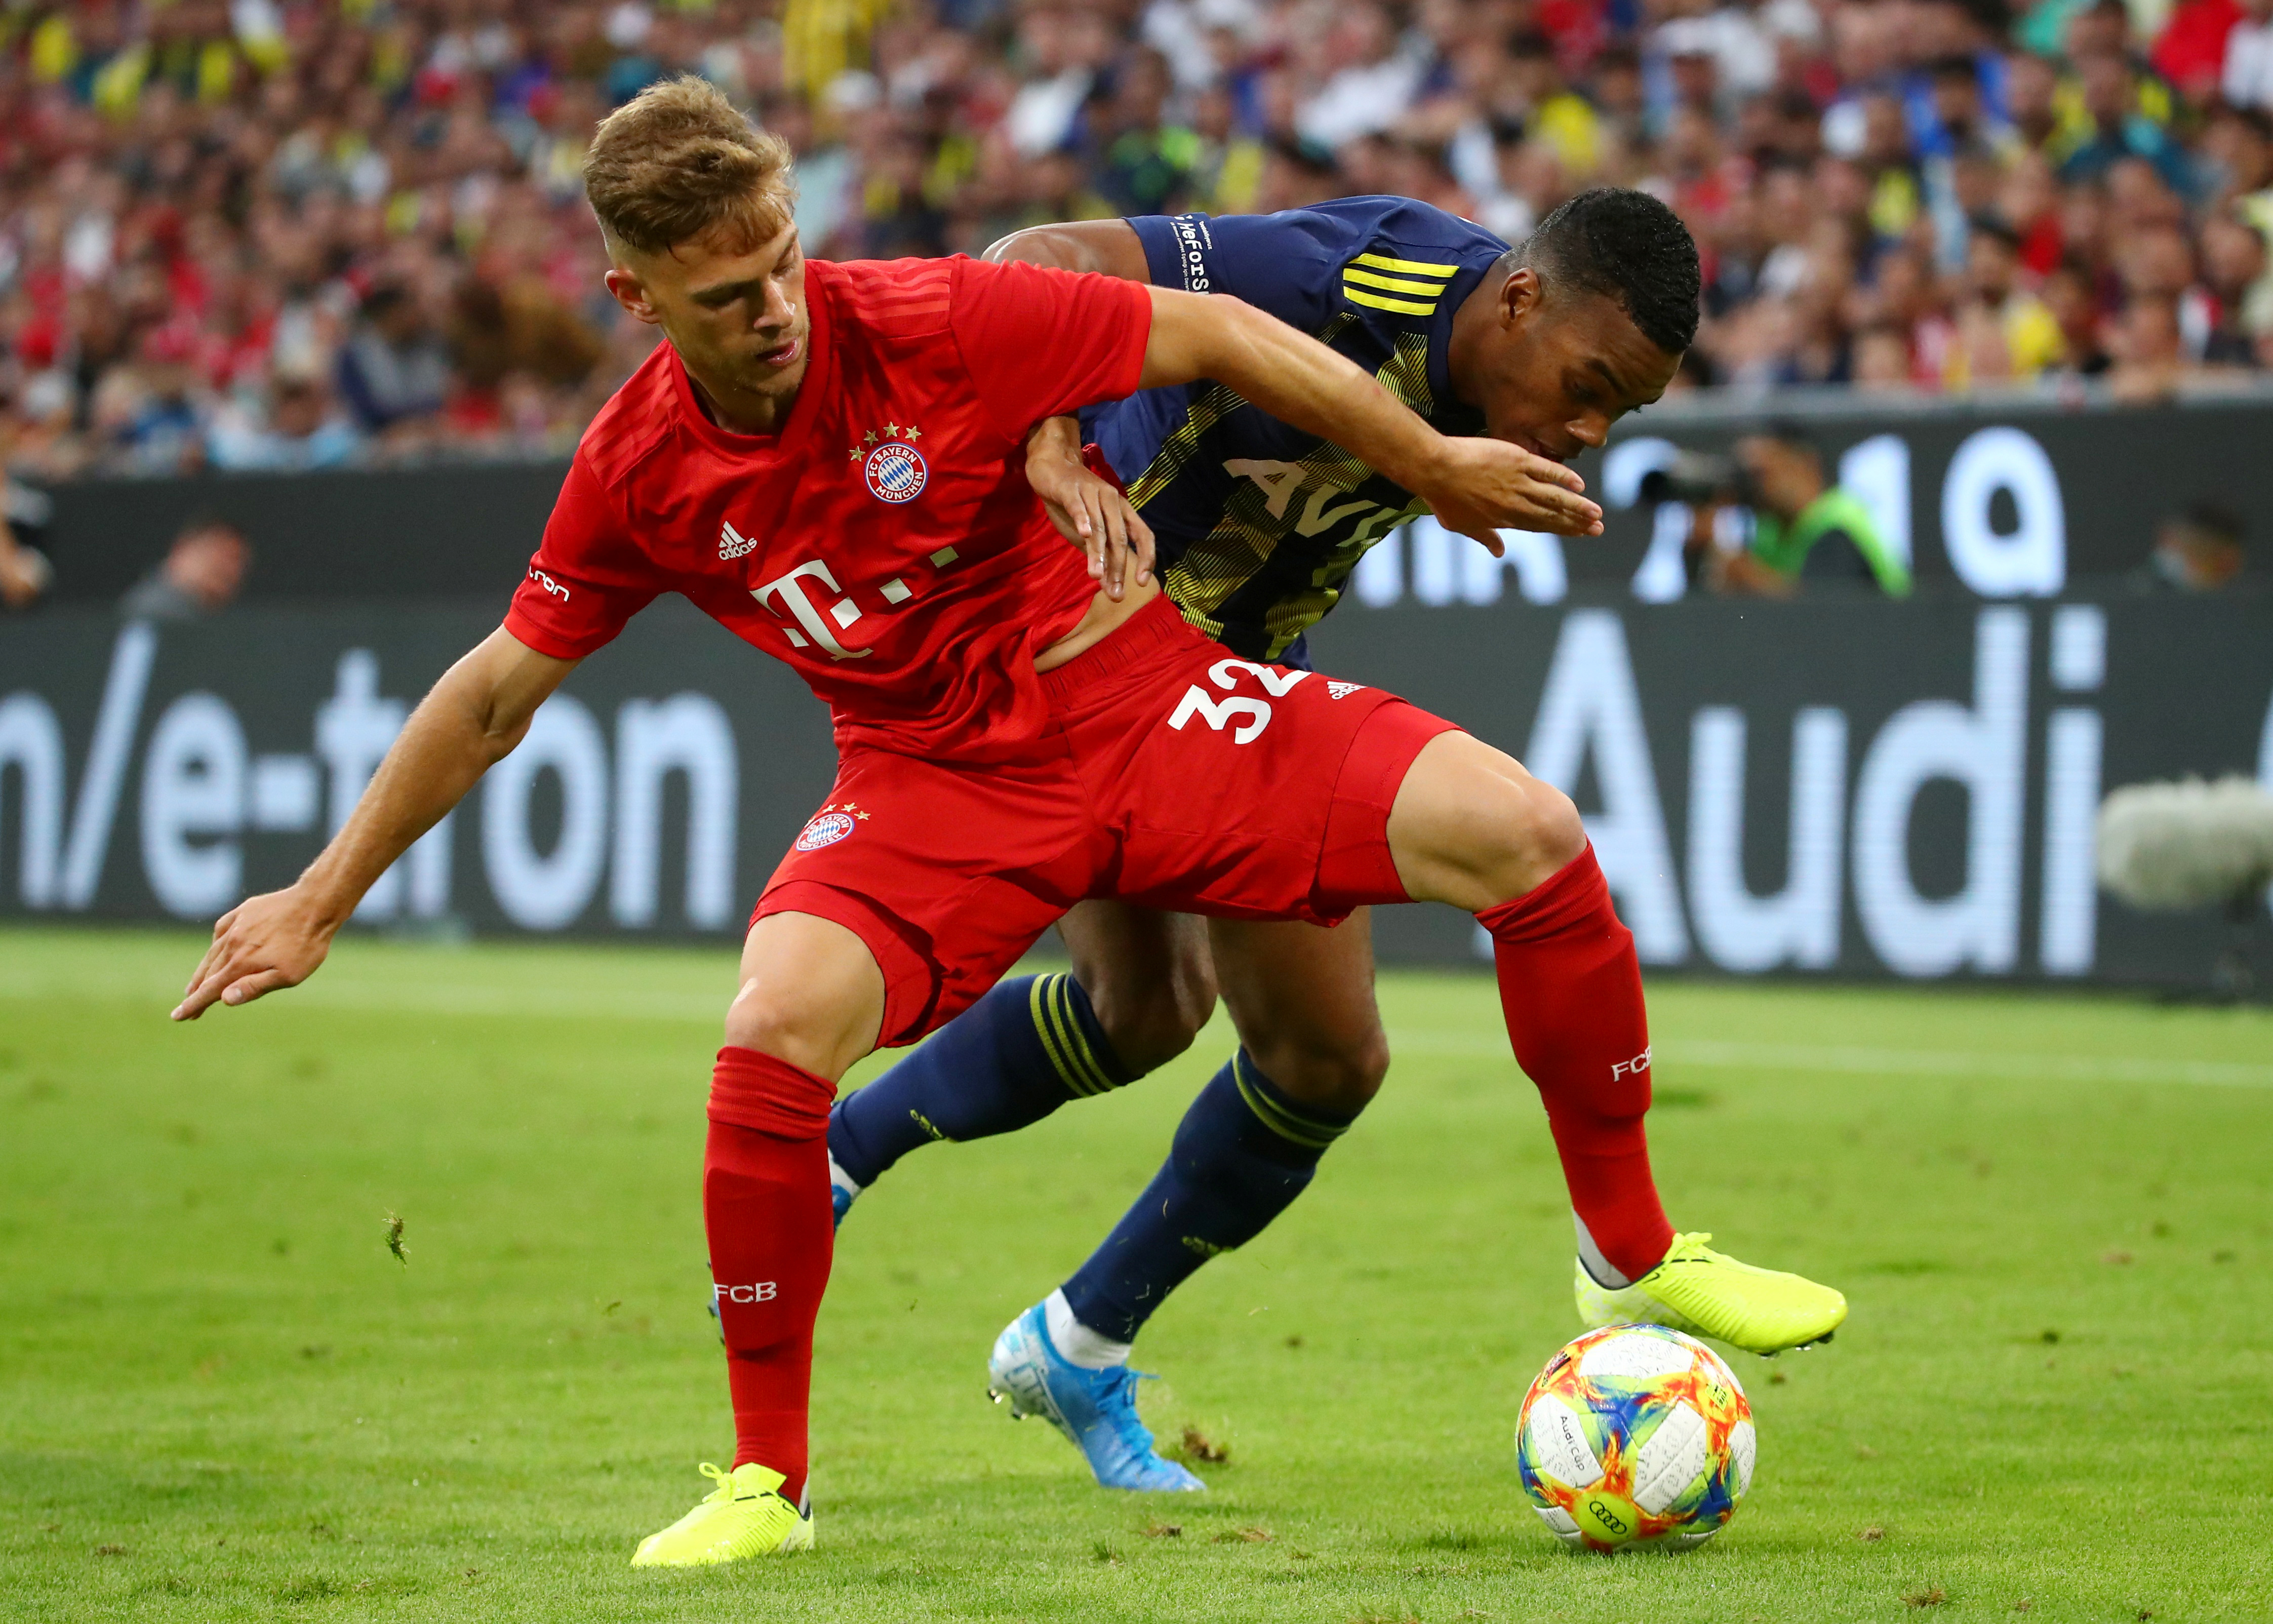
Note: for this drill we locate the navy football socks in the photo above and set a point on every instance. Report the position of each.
(1011, 1059)
(1242, 1154)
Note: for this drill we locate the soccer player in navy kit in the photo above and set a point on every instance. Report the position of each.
(1257, 526)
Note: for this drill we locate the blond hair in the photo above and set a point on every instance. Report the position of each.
(678, 161)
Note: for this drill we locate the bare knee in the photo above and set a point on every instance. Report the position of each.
(1149, 977)
(1150, 1023)
(810, 994)
(1472, 828)
(1548, 833)
(770, 1019)
(1341, 1076)
(1530, 832)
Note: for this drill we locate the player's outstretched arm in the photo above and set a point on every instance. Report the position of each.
(472, 719)
(1476, 486)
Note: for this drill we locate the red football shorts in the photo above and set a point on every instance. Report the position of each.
(1173, 775)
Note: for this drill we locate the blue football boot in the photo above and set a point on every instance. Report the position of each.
(1095, 1409)
(841, 1191)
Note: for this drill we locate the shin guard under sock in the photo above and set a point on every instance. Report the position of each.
(1571, 989)
(1009, 1060)
(1241, 1154)
(765, 1205)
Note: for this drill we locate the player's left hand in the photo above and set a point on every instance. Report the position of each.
(1089, 510)
(1486, 485)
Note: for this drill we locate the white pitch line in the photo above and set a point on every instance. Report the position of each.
(1901, 1062)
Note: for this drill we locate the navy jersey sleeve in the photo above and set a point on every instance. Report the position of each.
(1288, 263)
(1292, 263)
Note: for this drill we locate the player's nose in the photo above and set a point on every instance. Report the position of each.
(776, 315)
(1588, 433)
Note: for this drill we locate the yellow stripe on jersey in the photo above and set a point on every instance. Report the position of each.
(1403, 307)
(1395, 284)
(1414, 268)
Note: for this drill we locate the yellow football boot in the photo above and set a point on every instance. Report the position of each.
(744, 1516)
(1697, 1290)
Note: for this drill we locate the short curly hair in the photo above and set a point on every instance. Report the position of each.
(1631, 249)
(678, 161)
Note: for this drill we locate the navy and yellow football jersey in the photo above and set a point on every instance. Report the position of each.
(1258, 524)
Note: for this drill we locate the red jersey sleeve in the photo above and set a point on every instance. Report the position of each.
(587, 579)
(1040, 341)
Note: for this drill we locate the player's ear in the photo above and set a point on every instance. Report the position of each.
(630, 293)
(1521, 295)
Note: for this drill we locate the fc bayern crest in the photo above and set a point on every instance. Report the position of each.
(826, 830)
(895, 472)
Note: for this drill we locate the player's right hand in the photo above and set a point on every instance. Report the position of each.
(264, 943)
(1089, 510)
(1482, 486)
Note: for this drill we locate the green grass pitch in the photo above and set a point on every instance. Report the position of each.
(222, 1397)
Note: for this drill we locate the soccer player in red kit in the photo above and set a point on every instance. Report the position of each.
(829, 460)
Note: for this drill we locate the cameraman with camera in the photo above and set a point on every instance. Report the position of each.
(1804, 526)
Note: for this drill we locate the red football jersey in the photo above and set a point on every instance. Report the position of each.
(885, 543)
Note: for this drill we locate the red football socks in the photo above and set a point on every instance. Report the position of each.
(765, 1205)
(1571, 989)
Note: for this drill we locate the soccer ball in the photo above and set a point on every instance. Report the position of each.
(1635, 1435)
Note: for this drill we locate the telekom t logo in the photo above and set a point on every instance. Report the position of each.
(788, 593)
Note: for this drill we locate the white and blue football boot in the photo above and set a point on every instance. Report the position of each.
(1095, 1409)
(842, 1190)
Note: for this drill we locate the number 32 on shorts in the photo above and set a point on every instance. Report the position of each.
(1252, 716)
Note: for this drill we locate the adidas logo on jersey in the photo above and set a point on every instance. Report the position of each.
(732, 544)
(1342, 690)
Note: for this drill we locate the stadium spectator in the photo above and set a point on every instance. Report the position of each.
(293, 429)
(2245, 68)
(2198, 550)
(1882, 358)
(1142, 164)
(25, 572)
(383, 197)
(2241, 297)
(394, 370)
(1360, 75)
(200, 574)
(2016, 335)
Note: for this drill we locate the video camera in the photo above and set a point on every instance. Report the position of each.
(1700, 479)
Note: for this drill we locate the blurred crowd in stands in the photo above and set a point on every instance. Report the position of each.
(261, 234)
